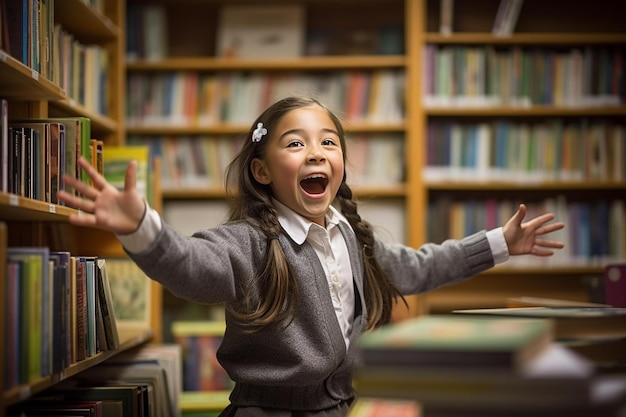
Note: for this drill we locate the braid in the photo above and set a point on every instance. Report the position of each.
(278, 298)
(380, 293)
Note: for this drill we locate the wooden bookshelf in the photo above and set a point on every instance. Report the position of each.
(553, 25)
(29, 222)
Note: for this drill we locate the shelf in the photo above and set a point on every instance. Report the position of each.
(17, 81)
(574, 39)
(16, 208)
(479, 185)
(69, 108)
(229, 129)
(302, 63)
(210, 193)
(533, 111)
(85, 22)
(128, 340)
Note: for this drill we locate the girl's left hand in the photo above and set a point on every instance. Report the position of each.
(525, 238)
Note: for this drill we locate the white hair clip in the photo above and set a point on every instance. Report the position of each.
(258, 133)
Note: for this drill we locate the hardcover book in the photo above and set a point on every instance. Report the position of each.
(262, 32)
(456, 342)
(569, 322)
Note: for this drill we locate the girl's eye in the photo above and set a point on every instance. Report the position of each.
(328, 142)
(294, 144)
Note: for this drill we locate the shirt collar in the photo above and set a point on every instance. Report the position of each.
(297, 227)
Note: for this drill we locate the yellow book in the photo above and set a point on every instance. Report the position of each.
(116, 160)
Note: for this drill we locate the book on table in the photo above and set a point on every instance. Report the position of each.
(451, 341)
(569, 322)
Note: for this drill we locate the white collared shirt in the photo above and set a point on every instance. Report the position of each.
(332, 252)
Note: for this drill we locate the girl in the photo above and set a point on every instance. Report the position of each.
(301, 280)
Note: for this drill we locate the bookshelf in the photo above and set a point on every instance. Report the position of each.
(553, 29)
(38, 91)
(559, 34)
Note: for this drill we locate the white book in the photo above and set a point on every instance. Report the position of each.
(261, 32)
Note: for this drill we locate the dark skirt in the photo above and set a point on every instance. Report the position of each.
(341, 410)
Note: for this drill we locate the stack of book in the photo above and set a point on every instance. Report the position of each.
(597, 331)
(466, 365)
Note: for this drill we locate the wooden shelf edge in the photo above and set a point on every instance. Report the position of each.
(12, 207)
(128, 341)
(526, 38)
(305, 63)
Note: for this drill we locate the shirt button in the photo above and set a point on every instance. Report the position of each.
(335, 278)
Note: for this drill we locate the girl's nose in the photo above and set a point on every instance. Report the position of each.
(316, 154)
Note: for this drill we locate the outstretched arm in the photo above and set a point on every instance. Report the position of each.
(526, 238)
(102, 205)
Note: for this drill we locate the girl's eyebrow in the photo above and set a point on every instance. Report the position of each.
(301, 131)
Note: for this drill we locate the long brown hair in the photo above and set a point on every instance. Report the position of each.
(252, 202)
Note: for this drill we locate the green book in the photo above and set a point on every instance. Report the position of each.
(457, 342)
(570, 322)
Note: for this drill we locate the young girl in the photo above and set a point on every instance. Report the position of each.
(301, 280)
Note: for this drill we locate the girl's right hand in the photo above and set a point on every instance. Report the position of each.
(102, 205)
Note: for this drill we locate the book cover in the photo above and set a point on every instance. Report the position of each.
(116, 160)
(107, 308)
(130, 291)
(168, 356)
(263, 32)
(615, 284)
(554, 378)
(458, 342)
(61, 310)
(34, 261)
(4, 145)
(569, 322)
(384, 407)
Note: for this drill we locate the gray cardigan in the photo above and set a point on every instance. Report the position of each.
(304, 366)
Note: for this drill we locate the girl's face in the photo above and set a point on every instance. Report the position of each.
(303, 163)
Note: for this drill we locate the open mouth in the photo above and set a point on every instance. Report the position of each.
(315, 184)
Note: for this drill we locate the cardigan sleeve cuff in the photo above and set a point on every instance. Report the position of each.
(498, 245)
(146, 233)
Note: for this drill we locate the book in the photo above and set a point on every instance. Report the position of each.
(116, 160)
(34, 261)
(199, 341)
(131, 291)
(569, 322)
(107, 307)
(265, 32)
(527, 301)
(456, 342)
(74, 390)
(168, 356)
(556, 377)
(615, 284)
(446, 17)
(384, 407)
(4, 144)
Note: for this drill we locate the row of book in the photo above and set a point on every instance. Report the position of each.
(201, 161)
(59, 310)
(143, 382)
(194, 99)
(277, 32)
(33, 37)
(199, 341)
(556, 150)
(504, 22)
(36, 153)
(523, 76)
(595, 231)
(190, 161)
